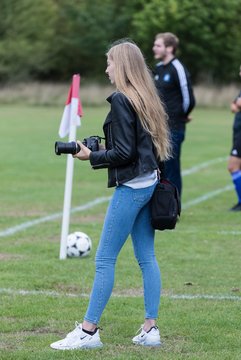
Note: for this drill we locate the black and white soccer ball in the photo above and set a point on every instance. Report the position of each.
(79, 244)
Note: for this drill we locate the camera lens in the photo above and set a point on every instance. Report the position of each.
(66, 148)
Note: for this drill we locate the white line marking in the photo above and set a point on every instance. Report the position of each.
(199, 231)
(39, 292)
(201, 166)
(206, 196)
(26, 225)
(55, 216)
(229, 232)
(23, 226)
(122, 295)
(205, 297)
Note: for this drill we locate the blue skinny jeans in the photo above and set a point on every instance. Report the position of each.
(128, 214)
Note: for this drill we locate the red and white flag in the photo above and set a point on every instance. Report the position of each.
(73, 108)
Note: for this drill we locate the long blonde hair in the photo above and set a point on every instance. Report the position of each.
(134, 80)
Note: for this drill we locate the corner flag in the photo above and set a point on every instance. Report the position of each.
(72, 99)
(70, 120)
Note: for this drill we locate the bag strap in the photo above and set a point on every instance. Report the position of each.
(158, 175)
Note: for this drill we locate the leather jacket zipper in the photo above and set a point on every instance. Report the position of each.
(111, 140)
(116, 177)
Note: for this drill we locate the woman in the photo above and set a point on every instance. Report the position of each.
(137, 139)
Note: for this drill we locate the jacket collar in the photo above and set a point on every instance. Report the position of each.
(109, 99)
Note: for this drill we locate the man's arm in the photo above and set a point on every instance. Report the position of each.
(185, 87)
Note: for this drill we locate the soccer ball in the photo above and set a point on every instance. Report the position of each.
(79, 244)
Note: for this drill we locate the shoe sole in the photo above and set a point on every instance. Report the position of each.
(147, 344)
(99, 345)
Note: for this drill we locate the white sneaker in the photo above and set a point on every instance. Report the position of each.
(149, 338)
(78, 339)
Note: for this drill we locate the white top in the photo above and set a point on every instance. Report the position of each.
(142, 181)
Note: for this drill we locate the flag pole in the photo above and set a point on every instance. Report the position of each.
(74, 112)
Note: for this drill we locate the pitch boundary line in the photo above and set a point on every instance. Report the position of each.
(204, 165)
(206, 196)
(116, 295)
(231, 232)
(28, 224)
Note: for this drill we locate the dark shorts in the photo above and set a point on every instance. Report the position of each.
(236, 146)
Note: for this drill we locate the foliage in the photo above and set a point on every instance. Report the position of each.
(27, 28)
(209, 34)
(52, 39)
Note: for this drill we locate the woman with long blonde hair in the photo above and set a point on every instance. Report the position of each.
(136, 141)
(133, 78)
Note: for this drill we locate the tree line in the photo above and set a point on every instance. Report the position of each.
(53, 39)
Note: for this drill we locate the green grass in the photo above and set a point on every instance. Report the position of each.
(201, 257)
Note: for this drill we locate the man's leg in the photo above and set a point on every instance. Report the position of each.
(234, 167)
(173, 166)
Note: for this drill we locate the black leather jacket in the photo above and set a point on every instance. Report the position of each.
(129, 148)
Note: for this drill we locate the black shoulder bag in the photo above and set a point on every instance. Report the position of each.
(165, 205)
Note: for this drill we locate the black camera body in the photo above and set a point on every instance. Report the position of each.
(73, 147)
(92, 142)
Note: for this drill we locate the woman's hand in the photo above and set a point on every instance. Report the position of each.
(238, 103)
(84, 153)
(234, 107)
(188, 119)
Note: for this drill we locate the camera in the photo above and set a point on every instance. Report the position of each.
(92, 142)
(73, 147)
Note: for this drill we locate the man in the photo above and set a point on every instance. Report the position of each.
(234, 161)
(175, 90)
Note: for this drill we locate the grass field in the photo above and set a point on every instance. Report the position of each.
(42, 296)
